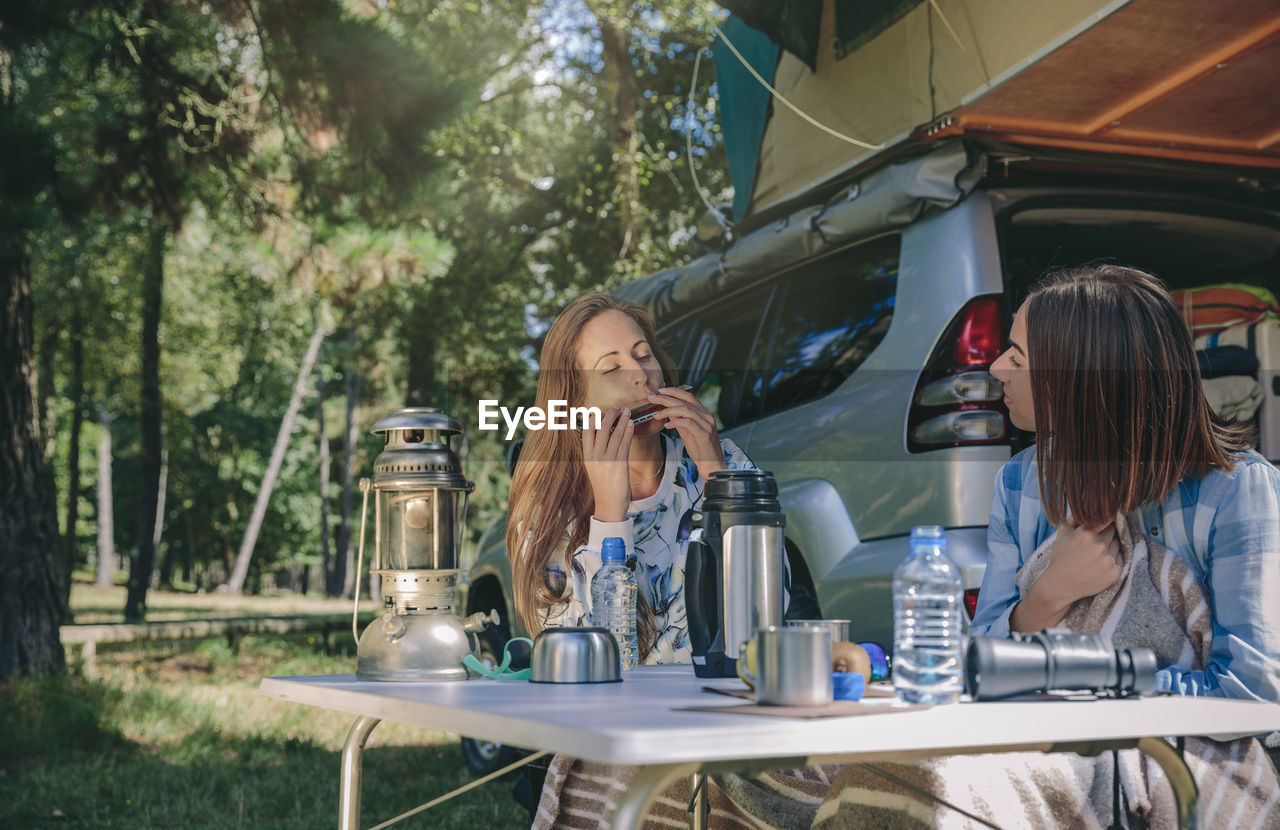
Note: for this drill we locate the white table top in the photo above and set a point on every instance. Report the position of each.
(633, 722)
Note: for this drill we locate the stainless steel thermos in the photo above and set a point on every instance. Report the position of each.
(734, 569)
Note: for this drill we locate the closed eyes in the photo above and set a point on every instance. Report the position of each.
(642, 358)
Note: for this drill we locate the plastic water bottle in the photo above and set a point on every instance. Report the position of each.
(613, 599)
(927, 662)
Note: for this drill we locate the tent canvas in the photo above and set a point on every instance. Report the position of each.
(1165, 78)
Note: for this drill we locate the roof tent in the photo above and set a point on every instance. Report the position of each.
(1173, 79)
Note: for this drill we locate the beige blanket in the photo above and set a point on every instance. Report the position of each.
(1156, 603)
(584, 795)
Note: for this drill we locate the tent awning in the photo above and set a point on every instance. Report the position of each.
(1180, 79)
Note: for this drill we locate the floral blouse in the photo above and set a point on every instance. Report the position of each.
(656, 533)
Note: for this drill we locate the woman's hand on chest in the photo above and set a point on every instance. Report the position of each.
(1084, 561)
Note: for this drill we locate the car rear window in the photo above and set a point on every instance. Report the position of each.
(1183, 247)
(714, 351)
(832, 315)
(790, 339)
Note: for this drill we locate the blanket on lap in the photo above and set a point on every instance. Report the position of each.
(1156, 603)
(582, 794)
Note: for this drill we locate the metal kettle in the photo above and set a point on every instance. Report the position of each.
(734, 569)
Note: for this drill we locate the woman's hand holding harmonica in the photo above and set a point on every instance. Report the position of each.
(605, 452)
(696, 425)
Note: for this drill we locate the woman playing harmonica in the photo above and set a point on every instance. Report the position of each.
(640, 482)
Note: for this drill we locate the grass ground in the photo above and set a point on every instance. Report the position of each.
(175, 736)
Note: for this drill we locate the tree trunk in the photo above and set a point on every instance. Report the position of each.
(166, 568)
(46, 356)
(165, 573)
(326, 555)
(164, 577)
(70, 547)
(144, 562)
(106, 509)
(615, 41)
(30, 603)
(190, 571)
(421, 348)
(161, 491)
(241, 570)
(45, 394)
(346, 562)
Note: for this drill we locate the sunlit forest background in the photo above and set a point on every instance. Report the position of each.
(250, 218)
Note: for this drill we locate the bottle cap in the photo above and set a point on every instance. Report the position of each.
(613, 550)
(928, 535)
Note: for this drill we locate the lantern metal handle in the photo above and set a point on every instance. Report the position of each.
(365, 486)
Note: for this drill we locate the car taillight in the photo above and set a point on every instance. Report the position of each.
(970, 601)
(957, 401)
(981, 337)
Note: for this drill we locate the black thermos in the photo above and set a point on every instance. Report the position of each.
(734, 568)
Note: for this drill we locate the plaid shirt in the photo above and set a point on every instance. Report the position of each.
(1226, 525)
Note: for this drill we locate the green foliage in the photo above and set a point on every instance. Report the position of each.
(370, 97)
(435, 178)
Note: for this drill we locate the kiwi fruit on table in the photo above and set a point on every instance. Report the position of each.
(850, 657)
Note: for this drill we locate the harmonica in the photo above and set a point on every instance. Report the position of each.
(644, 413)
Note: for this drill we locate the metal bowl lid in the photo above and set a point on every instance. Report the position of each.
(575, 655)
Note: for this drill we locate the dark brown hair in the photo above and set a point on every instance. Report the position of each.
(1120, 413)
(550, 494)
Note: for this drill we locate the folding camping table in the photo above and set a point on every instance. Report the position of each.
(639, 722)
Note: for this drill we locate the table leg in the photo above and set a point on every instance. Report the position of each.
(353, 772)
(1185, 794)
(645, 787)
(699, 806)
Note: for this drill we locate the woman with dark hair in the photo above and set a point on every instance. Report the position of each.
(1138, 514)
(642, 483)
(1101, 367)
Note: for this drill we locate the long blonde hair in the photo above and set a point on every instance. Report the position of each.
(550, 493)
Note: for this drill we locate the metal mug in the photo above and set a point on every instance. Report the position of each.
(791, 666)
(839, 628)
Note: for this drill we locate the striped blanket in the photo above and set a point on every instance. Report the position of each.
(1157, 603)
(581, 794)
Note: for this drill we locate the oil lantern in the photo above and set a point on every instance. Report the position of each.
(420, 498)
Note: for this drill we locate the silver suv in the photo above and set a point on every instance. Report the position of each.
(843, 339)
